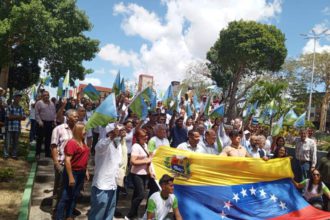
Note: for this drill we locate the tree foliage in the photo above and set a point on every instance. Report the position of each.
(321, 77)
(48, 30)
(245, 49)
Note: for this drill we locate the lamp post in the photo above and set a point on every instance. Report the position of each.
(315, 37)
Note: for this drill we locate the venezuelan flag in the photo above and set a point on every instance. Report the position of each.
(213, 187)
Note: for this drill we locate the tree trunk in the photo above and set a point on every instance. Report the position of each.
(231, 111)
(324, 111)
(4, 74)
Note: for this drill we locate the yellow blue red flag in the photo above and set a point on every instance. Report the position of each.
(213, 187)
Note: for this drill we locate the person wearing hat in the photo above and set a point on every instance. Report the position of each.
(161, 203)
(108, 158)
(14, 116)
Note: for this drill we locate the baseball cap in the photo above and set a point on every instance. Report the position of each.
(110, 127)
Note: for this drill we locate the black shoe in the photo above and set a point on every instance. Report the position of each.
(76, 212)
(14, 157)
(118, 214)
(5, 157)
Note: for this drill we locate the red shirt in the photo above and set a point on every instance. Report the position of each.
(79, 155)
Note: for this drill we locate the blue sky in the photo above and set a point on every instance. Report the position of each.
(162, 38)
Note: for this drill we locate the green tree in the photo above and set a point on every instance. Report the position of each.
(24, 71)
(321, 77)
(244, 49)
(48, 30)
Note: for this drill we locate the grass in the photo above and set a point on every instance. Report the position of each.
(13, 177)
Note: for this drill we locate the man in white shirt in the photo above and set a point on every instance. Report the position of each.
(160, 203)
(108, 156)
(209, 142)
(193, 143)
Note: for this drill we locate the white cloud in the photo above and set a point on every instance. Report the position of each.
(319, 30)
(93, 81)
(113, 72)
(118, 56)
(309, 47)
(186, 32)
(100, 71)
(326, 10)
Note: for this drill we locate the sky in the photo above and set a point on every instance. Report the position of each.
(163, 37)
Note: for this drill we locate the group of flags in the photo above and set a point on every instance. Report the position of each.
(270, 110)
(146, 100)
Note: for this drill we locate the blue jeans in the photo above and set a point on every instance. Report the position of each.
(69, 195)
(11, 139)
(103, 204)
(305, 170)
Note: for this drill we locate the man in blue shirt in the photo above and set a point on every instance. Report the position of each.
(14, 116)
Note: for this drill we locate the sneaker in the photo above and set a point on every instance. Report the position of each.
(5, 157)
(126, 218)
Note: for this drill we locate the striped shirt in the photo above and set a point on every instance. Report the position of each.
(14, 125)
(306, 151)
(60, 136)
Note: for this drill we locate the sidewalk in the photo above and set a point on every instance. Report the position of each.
(43, 191)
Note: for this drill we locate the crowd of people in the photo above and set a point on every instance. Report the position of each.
(123, 152)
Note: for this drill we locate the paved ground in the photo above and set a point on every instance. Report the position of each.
(42, 192)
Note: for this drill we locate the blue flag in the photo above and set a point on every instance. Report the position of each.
(218, 112)
(122, 86)
(168, 96)
(105, 113)
(91, 92)
(188, 110)
(196, 104)
(277, 126)
(116, 84)
(60, 92)
(300, 122)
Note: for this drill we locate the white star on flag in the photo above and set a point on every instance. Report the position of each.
(227, 205)
(243, 192)
(236, 198)
(223, 215)
(253, 191)
(273, 198)
(262, 193)
(283, 205)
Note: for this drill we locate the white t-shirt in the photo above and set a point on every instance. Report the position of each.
(186, 146)
(156, 142)
(161, 207)
(313, 193)
(129, 140)
(141, 154)
(107, 162)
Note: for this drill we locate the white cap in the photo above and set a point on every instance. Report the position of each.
(110, 127)
(246, 132)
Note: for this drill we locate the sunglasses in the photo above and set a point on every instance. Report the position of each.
(316, 174)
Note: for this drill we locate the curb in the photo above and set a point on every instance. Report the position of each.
(24, 210)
